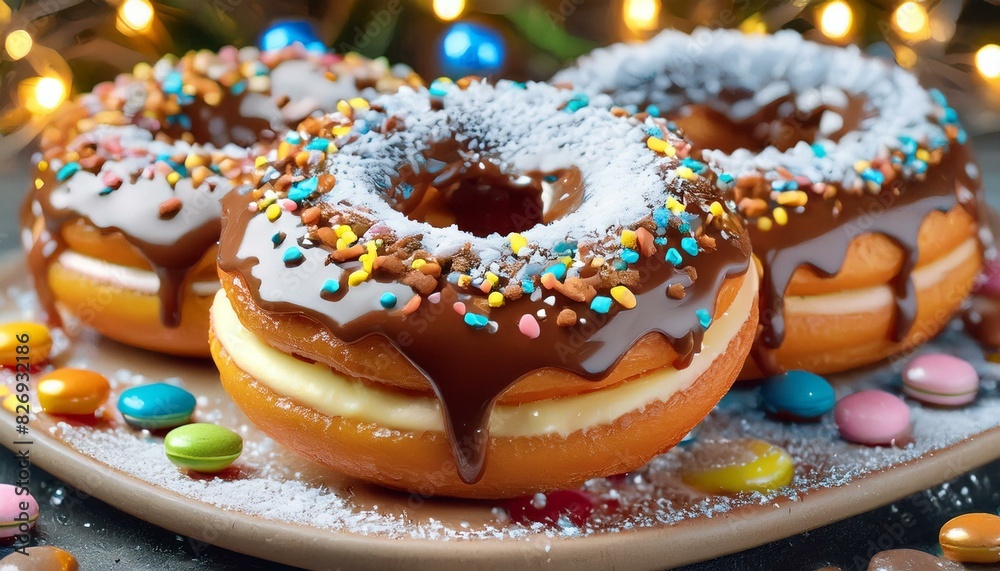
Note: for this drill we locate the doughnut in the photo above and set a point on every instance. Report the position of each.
(122, 225)
(482, 291)
(859, 189)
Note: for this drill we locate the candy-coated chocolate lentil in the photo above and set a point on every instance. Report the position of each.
(18, 513)
(203, 447)
(41, 558)
(156, 406)
(873, 417)
(972, 538)
(72, 391)
(797, 395)
(940, 379)
(35, 339)
(740, 466)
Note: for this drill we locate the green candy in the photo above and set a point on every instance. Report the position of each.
(203, 447)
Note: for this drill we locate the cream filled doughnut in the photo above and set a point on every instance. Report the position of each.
(454, 296)
(858, 185)
(122, 225)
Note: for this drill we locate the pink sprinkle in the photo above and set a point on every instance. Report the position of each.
(459, 308)
(434, 297)
(528, 325)
(287, 204)
(252, 207)
(110, 179)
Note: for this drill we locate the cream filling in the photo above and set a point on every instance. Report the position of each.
(317, 386)
(134, 279)
(880, 297)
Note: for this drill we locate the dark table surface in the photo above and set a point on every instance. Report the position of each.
(103, 538)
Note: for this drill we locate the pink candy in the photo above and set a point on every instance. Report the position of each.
(941, 380)
(17, 512)
(528, 325)
(459, 308)
(873, 417)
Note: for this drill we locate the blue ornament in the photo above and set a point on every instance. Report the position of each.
(472, 49)
(284, 33)
(797, 396)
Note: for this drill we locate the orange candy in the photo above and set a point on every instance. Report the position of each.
(972, 538)
(30, 342)
(72, 391)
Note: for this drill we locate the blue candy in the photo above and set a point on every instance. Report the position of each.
(601, 304)
(797, 395)
(674, 257)
(630, 256)
(156, 406)
(303, 189)
(689, 245)
(292, 256)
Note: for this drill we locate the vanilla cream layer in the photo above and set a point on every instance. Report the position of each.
(318, 387)
(880, 297)
(134, 279)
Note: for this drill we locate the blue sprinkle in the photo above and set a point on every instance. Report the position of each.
(601, 304)
(654, 132)
(630, 256)
(362, 127)
(674, 257)
(684, 228)
(527, 286)
(68, 170)
(704, 317)
(784, 185)
(388, 300)
(619, 265)
(950, 115)
(653, 110)
(909, 145)
(579, 101)
(439, 88)
(239, 87)
(406, 190)
(660, 241)
(105, 191)
(962, 137)
(293, 138)
(330, 287)
(873, 175)
(519, 84)
(180, 119)
(696, 166)
(476, 321)
(819, 150)
(550, 178)
(173, 83)
(689, 245)
(565, 248)
(918, 166)
(318, 144)
(558, 270)
(726, 181)
(938, 97)
(292, 256)
(278, 238)
(661, 216)
(939, 141)
(303, 189)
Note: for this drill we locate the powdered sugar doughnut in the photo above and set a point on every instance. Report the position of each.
(453, 293)
(858, 184)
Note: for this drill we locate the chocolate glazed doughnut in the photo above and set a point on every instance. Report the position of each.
(858, 185)
(482, 291)
(121, 228)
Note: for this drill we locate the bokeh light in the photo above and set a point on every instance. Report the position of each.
(641, 15)
(136, 14)
(18, 44)
(469, 48)
(836, 19)
(912, 21)
(44, 94)
(988, 61)
(448, 10)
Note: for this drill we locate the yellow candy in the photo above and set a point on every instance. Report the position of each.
(517, 241)
(493, 278)
(716, 209)
(464, 280)
(43, 166)
(860, 166)
(38, 183)
(624, 296)
(660, 146)
(780, 216)
(341, 130)
(357, 278)
(349, 237)
(792, 198)
(740, 466)
(923, 155)
(764, 224)
(10, 402)
(260, 162)
(173, 178)
(273, 212)
(628, 239)
(341, 230)
(418, 263)
(495, 299)
(72, 391)
(345, 108)
(30, 341)
(193, 161)
(685, 173)
(359, 103)
(674, 205)
(972, 538)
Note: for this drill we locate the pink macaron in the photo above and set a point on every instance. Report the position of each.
(18, 512)
(940, 379)
(874, 418)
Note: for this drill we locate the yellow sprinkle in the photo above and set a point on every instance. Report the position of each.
(38, 183)
(597, 262)
(923, 155)
(331, 148)
(418, 263)
(495, 299)
(367, 262)
(349, 237)
(792, 198)
(566, 260)
(685, 173)
(173, 178)
(341, 230)
(628, 238)
(860, 166)
(716, 209)
(372, 247)
(464, 280)
(260, 161)
(624, 296)
(193, 161)
(675, 205)
(273, 212)
(341, 130)
(493, 278)
(359, 103)
(357, 278)
(43, 166)
(780, 216)
(517, 241)
(284, 149)
(763, 224)
(660, 146)
(345, 108)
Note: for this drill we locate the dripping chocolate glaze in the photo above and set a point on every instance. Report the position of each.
(467, 368)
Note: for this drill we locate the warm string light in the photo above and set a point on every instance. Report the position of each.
(18, 44)
(43, 94)
(448, 10)
(136, 15)
(988, 61)
(836, 19)
(641, 15)
(912, 21)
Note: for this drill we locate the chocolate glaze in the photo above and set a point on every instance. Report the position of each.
(467, 368)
